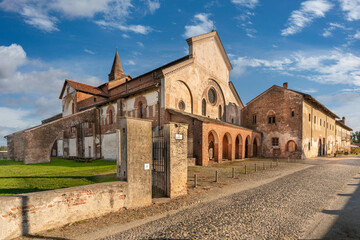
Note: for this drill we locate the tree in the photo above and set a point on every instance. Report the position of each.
(355, 137)
(3, 148)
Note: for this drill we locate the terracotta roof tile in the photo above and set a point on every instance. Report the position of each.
(86, 88)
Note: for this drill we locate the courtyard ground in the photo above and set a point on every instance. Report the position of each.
(17, 178)
(285, 202)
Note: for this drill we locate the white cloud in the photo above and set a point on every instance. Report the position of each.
(89, 51)
(140, 44)
(333, 26)
(130, 62)
(344, 104)
(153, 5)
(352, 9)
(309, 10)
(11, 58)
(130, 28)
(246, 3)
(125, 36)
(106, 13)
(202, 24)
(26, 98)
(357, 35)
(333, 67)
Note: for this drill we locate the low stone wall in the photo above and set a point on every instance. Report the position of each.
(3, 154)
(34, 212)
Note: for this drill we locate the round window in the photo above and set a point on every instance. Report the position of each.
(181, 105)
(212, 95)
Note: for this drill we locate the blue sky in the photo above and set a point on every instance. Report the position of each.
(312, 44)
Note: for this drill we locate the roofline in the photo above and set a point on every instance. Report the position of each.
(233, 89)
(210, 120)
(217, 37)
(343, 125)
(156, 85)
(69, 81)
(325, 109)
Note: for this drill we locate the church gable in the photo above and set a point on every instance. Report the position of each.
(208, 51)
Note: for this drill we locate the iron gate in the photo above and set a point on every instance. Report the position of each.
(159, 169)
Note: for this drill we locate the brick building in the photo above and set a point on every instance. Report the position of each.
(194, 89)
(295, 125)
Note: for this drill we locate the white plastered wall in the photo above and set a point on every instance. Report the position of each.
(72, 147)
(60, 148)
(108, 146)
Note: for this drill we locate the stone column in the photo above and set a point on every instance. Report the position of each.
(135, 159)
(176, 136)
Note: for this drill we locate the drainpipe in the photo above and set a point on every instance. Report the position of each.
(159, 95)
(100, 131)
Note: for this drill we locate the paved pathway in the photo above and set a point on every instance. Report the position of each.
(282, 209)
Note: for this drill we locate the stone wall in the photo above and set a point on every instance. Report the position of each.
(3, 155)
(176, 138)
(135, 158)
(34, 212)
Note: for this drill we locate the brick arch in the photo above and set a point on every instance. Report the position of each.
(111, 109)
(138, 101)
(238, 147)
(213, 137)
(248, 145)
(227, 146)
(38, 141)
(190, 93)
(291, 146)
(256, 147)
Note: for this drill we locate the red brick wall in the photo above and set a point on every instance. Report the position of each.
(279, 102)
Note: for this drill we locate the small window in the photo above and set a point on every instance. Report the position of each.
(110, 117)
(181, 105)
(203, 107)
(232, 120)
(254, 119)
(292, 113)
(94, 99)
(220, 112)
(271, 120)
(320, 121)
(309, 147)
(275, 142)
(315, 119)
(309, 117)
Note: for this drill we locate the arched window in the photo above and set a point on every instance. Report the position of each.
(110, 117)
(203, 107)
(72, 108)
(141, 110)
(220, 112)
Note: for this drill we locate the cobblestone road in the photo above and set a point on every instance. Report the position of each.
(278, 210)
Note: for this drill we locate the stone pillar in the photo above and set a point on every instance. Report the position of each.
(176, 136)
(135, 159)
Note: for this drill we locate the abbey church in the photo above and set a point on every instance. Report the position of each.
(195, 90)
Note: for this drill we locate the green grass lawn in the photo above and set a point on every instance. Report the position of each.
(16, 177)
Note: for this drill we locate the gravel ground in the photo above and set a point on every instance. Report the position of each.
(279, 210)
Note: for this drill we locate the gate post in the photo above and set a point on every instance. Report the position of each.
(135, 159)
(176, 137)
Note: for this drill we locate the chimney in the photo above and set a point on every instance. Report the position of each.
(343, 120)
(285, 85)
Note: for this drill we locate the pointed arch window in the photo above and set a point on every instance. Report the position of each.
(203, 107)
(111, 117)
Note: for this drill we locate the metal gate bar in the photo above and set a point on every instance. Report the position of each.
(159, 170)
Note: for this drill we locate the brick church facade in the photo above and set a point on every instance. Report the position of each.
(195, 90)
